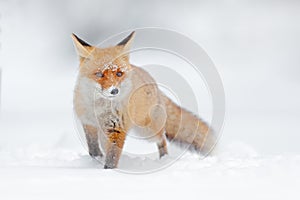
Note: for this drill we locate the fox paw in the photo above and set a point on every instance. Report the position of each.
(162, 154)
(95, 153)
(162, 151)
(109, 166)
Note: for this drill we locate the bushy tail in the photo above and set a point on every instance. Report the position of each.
(184, 128)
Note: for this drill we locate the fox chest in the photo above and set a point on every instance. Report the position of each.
(95, 110)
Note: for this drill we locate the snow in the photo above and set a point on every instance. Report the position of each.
(63, 173)
(53, 164)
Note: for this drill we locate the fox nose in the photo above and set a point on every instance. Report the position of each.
(114, 91)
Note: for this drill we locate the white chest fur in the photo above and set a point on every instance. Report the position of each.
(93, 104)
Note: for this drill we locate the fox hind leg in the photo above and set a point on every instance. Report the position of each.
(91, 135)
(162, 145)
(157, 126)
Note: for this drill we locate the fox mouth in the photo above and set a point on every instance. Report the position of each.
(110, 93)
(108, 96)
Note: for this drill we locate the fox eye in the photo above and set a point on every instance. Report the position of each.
(119, 74)
(99, 74)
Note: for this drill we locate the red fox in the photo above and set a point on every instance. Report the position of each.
(113, 96)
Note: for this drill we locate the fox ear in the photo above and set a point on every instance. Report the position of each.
(126, 43)
(82, 47)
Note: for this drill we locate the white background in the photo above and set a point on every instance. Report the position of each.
(255, 47)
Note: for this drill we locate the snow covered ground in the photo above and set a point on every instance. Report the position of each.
(35, 164)
(64, 173)
(60, 173)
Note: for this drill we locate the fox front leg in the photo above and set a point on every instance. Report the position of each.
(114, 146)
(91, 134)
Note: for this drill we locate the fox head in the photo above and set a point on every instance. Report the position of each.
(105, 67)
